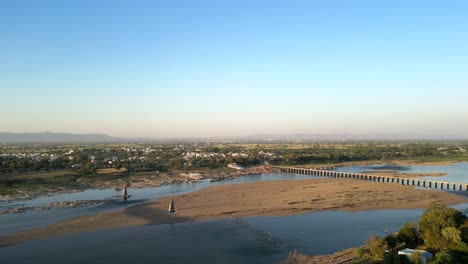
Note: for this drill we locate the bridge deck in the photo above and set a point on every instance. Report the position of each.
(377, 178)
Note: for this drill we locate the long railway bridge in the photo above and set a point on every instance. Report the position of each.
(377, 178)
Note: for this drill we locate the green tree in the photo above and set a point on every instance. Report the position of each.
(391, 241)
(453, 235)
(444, 257)
(394, 258)
(409, 235)
(434, 220)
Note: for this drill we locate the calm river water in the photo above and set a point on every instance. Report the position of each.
(246, 240)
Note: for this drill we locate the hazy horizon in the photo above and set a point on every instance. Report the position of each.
(221, 69)
(48, 136)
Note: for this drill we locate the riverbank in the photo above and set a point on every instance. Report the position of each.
(268, 198)
(60, 184)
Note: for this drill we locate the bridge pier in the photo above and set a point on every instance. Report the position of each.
(375, 178)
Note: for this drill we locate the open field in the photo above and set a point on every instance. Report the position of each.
(285, 197)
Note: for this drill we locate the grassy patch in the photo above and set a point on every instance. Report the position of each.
(111, 170)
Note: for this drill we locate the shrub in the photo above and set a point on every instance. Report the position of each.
(362, 252)
(376, 246)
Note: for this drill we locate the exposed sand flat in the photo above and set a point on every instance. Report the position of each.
(285, 197)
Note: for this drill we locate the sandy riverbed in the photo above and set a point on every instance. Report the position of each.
(285, 197)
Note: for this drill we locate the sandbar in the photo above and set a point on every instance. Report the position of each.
(266, 198)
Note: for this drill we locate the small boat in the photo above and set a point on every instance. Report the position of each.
(171, 206)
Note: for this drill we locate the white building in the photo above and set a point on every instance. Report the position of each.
(425, 256)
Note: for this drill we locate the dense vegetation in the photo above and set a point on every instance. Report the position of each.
(165, 157)
(442, 231)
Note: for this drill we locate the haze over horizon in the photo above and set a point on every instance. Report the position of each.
(239, 68)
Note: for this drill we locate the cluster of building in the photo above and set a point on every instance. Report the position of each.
(109, 157)
(36, 157)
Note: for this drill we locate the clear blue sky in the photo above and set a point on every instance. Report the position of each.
(213, 68)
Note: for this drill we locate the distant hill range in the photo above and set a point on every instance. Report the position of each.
(48, 137)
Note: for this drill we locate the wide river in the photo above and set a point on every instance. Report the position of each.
(246, 240)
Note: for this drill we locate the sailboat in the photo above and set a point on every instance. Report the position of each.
(171, 206)
(125, 194)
